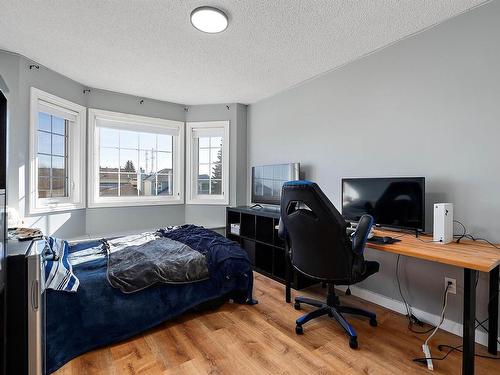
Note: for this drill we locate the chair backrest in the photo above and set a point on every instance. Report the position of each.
(316, 232)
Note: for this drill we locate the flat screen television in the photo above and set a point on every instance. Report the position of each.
(395, 202)
(267, 181)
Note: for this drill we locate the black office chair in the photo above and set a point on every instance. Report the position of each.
(319, 247)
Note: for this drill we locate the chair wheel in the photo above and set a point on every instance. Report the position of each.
(353, 342)
(299, 330)
(296, 306)
(373, 322)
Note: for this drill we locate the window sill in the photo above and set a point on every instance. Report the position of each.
(212, 202)
(123, 203)
(47, 209)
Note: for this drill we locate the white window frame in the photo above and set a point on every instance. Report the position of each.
(192, 195)
(134, 123)
(76, 154)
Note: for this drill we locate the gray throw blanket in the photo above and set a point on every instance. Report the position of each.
(138, 266)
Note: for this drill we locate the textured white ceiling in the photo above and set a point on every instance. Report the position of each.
(149, 48)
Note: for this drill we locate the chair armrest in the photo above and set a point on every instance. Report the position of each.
(281, 230)
(360, 236)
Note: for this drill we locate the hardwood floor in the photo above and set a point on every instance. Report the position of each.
(240, 339)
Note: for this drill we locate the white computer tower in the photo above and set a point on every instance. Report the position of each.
(443, 222)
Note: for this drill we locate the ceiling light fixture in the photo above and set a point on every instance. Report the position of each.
(209, 20)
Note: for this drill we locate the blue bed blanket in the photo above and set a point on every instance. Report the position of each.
(98, 314)
(217, 250)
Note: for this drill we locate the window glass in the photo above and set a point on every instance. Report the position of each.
(204, 141)
(52, 156)
(209, 165)
(128, 184)
(164, 161)
(165, 142)
(147, 161)
(147, 141)
(58, 125)
(164, 184)
(44, 142)
(109, 159)
(109, 137)
(57, 153)
(44, 122)
(135, 163)
(129, 139)
(129, 160)
(108, 184)
(207, 152)
(58, 145)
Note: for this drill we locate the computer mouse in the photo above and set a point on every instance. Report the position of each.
(387, 239)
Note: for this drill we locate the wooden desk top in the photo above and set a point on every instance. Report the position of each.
(475, 255)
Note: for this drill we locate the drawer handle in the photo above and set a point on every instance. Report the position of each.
(34, 295)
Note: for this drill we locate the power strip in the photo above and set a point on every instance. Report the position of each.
(427, 355)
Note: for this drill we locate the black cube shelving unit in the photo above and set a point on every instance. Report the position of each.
(259, 237)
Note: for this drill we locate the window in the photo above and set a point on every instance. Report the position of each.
(208, 158)
(135, 160)
(57, 144)
(52, 136)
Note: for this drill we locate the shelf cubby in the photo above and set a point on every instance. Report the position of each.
(264, 229)
(259, 237)
(247, 226)
(249, 246)
(233, 217)
(264, 257)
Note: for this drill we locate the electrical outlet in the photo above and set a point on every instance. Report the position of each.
(453, 287)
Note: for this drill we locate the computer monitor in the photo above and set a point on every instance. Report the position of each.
(394, 202)
(267, 181)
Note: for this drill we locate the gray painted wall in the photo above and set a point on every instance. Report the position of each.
(19, 78)
(426, 106)
(15, 71)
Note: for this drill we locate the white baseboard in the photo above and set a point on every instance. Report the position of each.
(399, 307)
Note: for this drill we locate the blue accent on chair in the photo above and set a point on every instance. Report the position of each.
(298, 183)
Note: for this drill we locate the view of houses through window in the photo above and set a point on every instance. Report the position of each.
(52, 155)
(210, 165)
(134, 163)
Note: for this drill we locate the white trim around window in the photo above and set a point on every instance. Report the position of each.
(69, 139)
(196, 193)
(132, 124)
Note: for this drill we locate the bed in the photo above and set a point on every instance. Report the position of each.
(98, 314)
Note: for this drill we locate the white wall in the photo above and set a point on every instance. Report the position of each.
(426, 106)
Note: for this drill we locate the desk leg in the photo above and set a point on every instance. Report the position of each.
(288, 276)
(469, 321)
(493, 311)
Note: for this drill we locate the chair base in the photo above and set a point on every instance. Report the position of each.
(334, 310)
